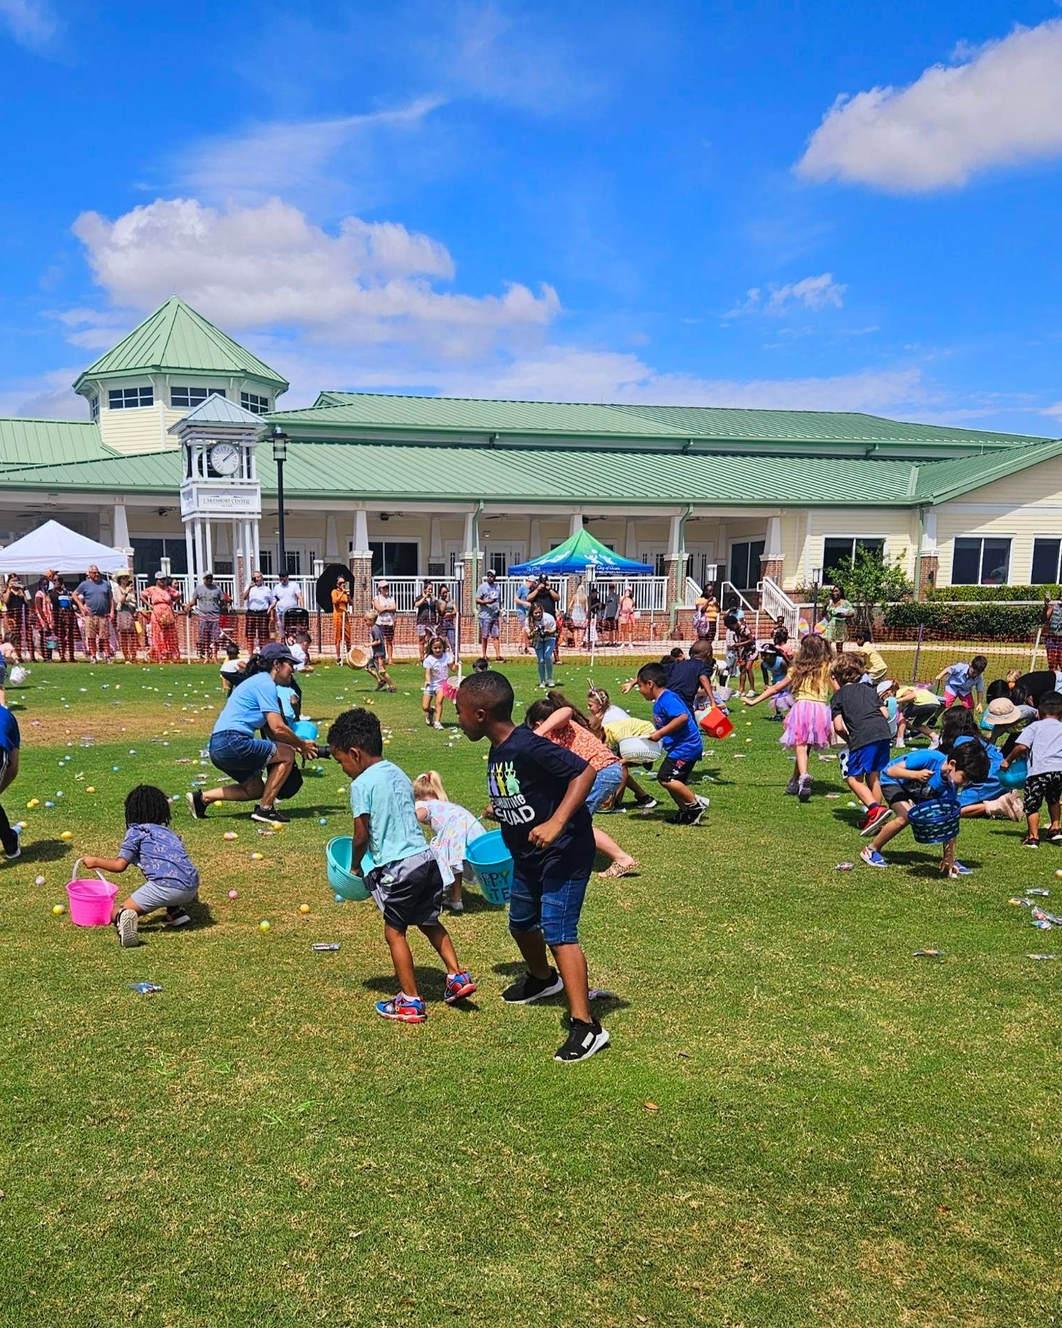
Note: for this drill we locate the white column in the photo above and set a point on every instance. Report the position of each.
(929, 534)
(435, 546)
(534, 547)
(209, 532)
(200, 555)
(256, 537)
(576, 524)
(470, 531)
(674, 538)
(331, 548)
(773, 545)
(189, 547)
(121, 527)
(630, 539)
(361, 531)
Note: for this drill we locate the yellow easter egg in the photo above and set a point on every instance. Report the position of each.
(66, 836)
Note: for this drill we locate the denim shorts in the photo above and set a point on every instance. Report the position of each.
(605, 787)
(551, 906)
(240, 756)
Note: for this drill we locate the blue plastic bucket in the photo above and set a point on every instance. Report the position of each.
(342, 880)
(1015, 775)
(305, 729)
(492, 864)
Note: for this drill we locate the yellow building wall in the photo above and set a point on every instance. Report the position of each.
(1020, 508)
(804, 533)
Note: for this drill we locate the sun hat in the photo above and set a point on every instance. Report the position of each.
(275, 653)
(885, 685)
(1002, 711)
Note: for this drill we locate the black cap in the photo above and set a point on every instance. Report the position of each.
(275, 653)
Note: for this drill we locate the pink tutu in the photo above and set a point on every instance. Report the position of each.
(781, 703)
(810, 724)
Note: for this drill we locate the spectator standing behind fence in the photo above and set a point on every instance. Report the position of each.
(16, 620)
(94, 601)
(385, 606)
(1053, 631)
(523, 608)
(342, 627)
(206, 603)
(164, 647)
(578, 616)
(65, 619)
(488, 614)
(125, 617)
(448, 619)
(426, 610)
(259, 600)
(288, 606)
(44, 617)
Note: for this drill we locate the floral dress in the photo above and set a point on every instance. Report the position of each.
(164, 644)
(453, 827)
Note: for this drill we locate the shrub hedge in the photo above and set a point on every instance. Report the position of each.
(968, 620)
(994, 593)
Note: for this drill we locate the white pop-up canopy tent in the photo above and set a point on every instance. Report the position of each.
(52, 547)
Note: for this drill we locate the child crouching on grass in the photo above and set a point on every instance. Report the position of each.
(453, 826)
(1042, 740)
(929, 776)
(406, 880)
(170, 880)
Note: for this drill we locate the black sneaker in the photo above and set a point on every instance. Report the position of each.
(645, 804)
(583, 1041)
(196, 805)
(177, 917)
(268, 815)
(530, 989)
(1054, 835)
(13, 850)
(688, 815)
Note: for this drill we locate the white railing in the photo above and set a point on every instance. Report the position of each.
(406, 590)
(691, 593)
(775, 602)
(227, 584)
(726, 589)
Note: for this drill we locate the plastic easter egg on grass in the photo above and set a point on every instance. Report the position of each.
(33, 802)
(304, 908)
(257, 857)
(39, 881)
(1059, 873)
(67, 836)
(234, 894)
(230, 835)
(263, 925)
(91, 789)
(58, 910)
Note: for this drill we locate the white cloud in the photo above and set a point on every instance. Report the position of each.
(49, 396)
(294, 156)
(268, 265)
(999, 105)
(30, 23)
(812, 293)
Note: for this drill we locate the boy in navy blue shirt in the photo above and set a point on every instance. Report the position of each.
(677, 730)
(538, 793)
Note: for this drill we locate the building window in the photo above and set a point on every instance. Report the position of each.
(745, 564)
(256, 404)
(394, 557)
(94, 409)
(838, 553)
(980, 562)
(183, 397)
(128, 398)
(1045, 560)
(265, 561)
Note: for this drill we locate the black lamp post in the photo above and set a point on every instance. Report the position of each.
(280, 455)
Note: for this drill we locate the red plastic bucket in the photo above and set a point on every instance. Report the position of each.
(91, 901)
(714, 722)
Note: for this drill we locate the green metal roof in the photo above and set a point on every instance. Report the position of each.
(176, 339)
(49, 442)
(663, 428)
(392, 473)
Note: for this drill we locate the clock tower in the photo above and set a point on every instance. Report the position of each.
(219, 483)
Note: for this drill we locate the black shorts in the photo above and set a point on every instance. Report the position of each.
(1042, 788)
(922, 716)
(408, 893)
(914, 793)
(675, 769)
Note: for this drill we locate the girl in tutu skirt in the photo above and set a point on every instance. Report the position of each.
(809, 723)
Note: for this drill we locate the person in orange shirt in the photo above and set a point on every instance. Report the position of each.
(341, 618)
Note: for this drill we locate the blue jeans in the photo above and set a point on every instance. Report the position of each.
(544, 646)
(550, 906)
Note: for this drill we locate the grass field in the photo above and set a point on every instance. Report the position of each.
(797, 1121)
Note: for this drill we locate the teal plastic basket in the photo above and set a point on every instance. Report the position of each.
(493, 866)
(934, 822)
(345, 885)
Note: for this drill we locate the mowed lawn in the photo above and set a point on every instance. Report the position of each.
(798, 1122)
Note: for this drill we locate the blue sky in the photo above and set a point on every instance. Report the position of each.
(759, 204)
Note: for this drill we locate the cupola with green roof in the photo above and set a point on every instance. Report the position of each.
(172, 361)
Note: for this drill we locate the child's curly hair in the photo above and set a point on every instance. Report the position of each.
(147, 805)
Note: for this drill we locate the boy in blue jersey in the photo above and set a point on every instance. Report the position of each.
(925, 776)
(677, 730)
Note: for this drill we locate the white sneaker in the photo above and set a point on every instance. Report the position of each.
(436, 725)
(127, 928)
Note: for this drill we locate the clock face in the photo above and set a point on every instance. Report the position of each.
(224, 458)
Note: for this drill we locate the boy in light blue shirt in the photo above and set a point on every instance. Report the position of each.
(400, 869)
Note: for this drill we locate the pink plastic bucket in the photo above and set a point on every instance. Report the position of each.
(91, 901)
